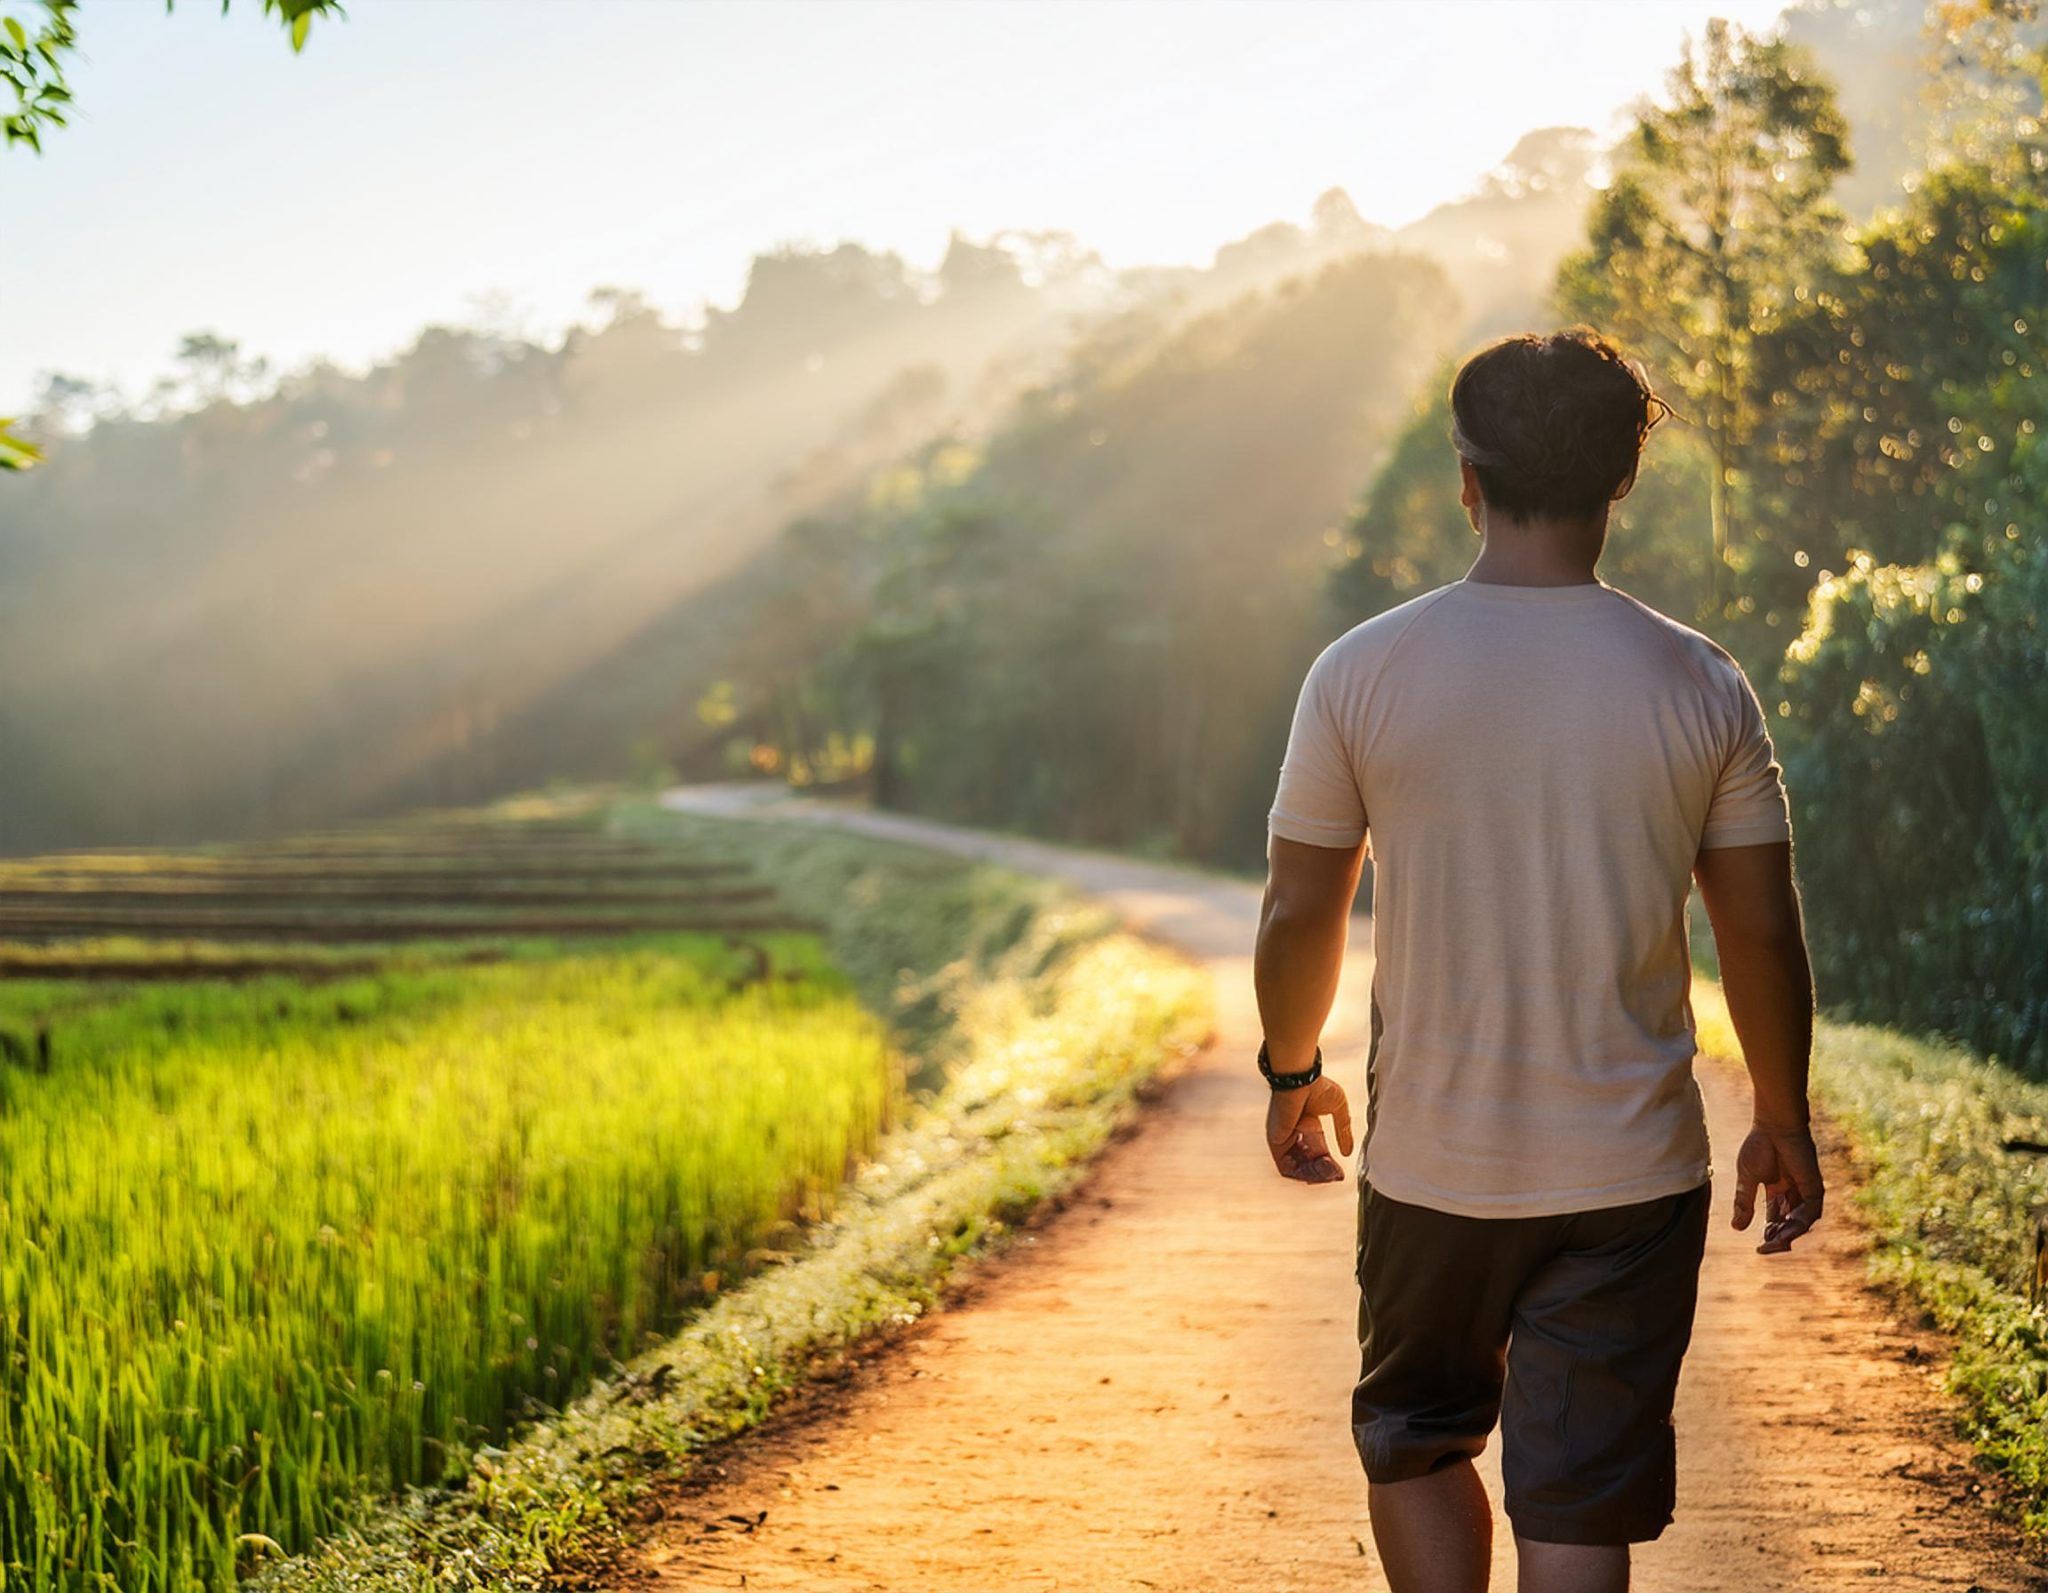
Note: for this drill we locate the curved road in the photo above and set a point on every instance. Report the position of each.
(1150, 1389)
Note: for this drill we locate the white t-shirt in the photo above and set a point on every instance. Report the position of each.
(1535, 770)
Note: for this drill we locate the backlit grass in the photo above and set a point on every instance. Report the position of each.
(1953, 1214)
(266, 1246)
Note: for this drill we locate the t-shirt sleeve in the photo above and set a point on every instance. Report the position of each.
(1318, 800)
(1749, 807)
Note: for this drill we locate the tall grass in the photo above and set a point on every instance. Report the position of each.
(265, 1247)
(1955, 1214)
(1953, 1206)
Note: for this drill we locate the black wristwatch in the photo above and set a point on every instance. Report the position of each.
(1290, 1081)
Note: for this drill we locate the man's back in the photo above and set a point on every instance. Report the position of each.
(1538, 768)
(1539, 764)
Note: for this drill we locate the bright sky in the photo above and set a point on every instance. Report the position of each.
(425, 154)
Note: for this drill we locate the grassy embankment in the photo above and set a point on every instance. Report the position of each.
(1952, 1213)
(1028, 1025)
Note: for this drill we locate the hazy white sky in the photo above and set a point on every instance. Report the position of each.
(424, 153)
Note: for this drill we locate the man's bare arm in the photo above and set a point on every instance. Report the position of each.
(1767, 980)
(1304, 923)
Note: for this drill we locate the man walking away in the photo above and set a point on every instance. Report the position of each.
(1539, 765)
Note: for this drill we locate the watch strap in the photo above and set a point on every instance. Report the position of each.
(1290, 1081)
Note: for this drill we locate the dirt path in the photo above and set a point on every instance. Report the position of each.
(1150, 1389)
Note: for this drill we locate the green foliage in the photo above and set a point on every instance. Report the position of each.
(277, 1249)
(1953, 1181)
(916, 932)
(297, 16)
(539, 501)
(1872, 413)
(1918, 693)
(1992, 57)
(32, 63)
(1956, 1214)
(1717, 209)
(16, 452)
(1915, 694)
(1901, 387)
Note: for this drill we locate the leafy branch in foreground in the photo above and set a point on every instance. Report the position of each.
(16, 453)
(32, 62)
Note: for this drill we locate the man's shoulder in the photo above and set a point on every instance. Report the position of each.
(1711, 663)
(1366, 645)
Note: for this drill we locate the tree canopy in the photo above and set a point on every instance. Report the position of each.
(1718, 213)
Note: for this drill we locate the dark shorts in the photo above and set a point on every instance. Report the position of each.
(1568, 1330)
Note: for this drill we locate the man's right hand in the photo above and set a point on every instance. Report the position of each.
(1785, 1165)
(1294, 1131)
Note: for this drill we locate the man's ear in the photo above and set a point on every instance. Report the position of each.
(1471, 497)
(1623, 490)
(1469, 494)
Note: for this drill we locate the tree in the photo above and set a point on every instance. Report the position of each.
(214, 367)
(1903, 476)
(66, 405)
(1717, 213)
(1897, 386)
(1546, 160)
(35, 70)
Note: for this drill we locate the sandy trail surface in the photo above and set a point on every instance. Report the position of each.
(1150, 1388)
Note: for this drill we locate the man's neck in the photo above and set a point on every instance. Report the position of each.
(1538, 553)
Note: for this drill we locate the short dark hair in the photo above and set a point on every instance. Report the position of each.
(1553, 425)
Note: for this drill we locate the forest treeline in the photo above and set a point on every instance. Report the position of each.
(236, 604)
(244, 602)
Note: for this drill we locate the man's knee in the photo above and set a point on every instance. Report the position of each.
(1571, 1567)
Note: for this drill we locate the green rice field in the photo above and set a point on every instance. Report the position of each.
(284, 1221)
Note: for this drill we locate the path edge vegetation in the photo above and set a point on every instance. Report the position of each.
(1951, 1207)
(1032, 1025)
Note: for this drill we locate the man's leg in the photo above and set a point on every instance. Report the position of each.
(1571, 1567)
(1600, 1332)
(1436, 1295)
(1434, 1532)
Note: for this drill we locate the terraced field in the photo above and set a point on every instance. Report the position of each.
(325, 1162)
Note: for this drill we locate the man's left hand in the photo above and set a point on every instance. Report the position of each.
(1294, 1131)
